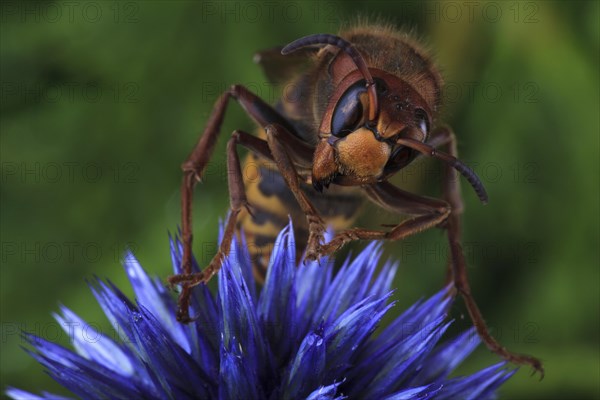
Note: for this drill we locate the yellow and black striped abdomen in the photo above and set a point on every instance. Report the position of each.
(273, 203)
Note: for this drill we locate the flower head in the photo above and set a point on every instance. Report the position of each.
(308, 334)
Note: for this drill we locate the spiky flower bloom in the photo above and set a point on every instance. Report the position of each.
(306, 335)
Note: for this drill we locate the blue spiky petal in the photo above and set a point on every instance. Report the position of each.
(309, 333)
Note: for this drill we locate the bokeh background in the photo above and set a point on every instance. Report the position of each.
(101, 101)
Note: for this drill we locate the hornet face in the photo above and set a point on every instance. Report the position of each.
(354, 150)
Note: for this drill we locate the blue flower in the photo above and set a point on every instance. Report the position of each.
(308, 334)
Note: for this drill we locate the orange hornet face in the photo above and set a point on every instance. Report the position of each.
(354, 150)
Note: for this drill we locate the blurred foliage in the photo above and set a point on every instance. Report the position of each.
(101, 102)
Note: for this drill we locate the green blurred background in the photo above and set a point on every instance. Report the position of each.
(102, 101)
